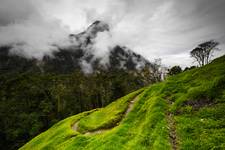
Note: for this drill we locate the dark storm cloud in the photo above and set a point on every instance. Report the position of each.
(15, 10)
(201, 13)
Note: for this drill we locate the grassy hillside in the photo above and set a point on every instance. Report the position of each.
(184, 112)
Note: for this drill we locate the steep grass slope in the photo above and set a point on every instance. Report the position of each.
(186, 111)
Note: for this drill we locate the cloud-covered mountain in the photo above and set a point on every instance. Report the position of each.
(86, 51)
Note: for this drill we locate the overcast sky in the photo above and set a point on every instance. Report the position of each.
(166, 29)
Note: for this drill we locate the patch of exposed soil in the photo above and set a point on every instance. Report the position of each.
(196, 104)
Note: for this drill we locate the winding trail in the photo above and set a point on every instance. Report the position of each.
(75, 126)
(129, 108)
(172, 128)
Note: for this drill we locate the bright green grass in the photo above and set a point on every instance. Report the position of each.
(107, 117)
(56, 134)
(198, 108)
(144, 132)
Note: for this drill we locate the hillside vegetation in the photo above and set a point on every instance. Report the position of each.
(184, 112)
(30, 103)
(72, 79)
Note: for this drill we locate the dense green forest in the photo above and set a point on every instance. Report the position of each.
(31, 102)
(184, 112)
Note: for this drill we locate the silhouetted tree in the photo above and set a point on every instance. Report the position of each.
(175, 70)
(203, 52)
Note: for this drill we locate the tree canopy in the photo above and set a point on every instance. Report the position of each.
(203, 52)
(175, 70)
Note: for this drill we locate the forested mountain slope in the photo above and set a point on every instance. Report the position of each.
(184, 112)
(37, 93)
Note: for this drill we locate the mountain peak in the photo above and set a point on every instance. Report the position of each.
(90, 33)
(98, 26)
(97, 22)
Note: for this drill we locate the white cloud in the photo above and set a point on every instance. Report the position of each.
(32, 38)
(154, 28)
(102, 45)
(86, 67)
